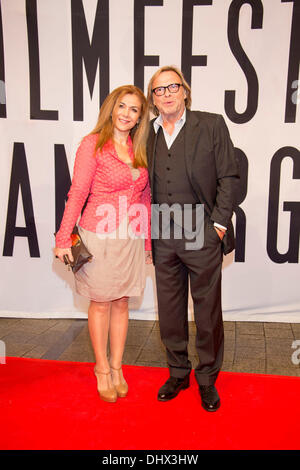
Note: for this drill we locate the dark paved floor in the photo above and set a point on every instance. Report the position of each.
(249, 346)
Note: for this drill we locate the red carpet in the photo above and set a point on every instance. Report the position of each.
(54, 405)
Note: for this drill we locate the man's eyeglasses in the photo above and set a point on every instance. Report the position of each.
(161, 90)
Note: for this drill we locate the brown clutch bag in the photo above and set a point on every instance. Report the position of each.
(80, 253)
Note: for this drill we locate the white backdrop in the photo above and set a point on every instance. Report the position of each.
(258, 286)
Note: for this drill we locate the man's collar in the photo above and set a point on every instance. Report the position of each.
(159, 121)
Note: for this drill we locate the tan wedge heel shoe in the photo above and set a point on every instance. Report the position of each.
(109, 394)
(121, 387)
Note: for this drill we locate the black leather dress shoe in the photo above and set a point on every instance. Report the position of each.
(172, 387)
(210, 397)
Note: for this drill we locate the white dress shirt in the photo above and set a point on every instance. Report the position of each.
(178, 126)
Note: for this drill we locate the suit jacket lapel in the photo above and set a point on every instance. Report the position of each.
(151, 147)
(191, 137)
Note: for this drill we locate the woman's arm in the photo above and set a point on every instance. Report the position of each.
(84, 172)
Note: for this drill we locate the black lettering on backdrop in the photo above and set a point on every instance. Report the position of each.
(187, 59)
(293, 72)
(2, 72)
(34, 66)
(62, 182)
(241, 194)
(20, 181)
(140, 59)
(292, 255)
(244, 62)
(91, 53)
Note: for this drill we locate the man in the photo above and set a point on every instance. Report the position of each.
(191, 161)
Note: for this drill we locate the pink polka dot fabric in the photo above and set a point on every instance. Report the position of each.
(112, 193)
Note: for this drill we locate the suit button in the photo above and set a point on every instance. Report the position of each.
(169, 194)
(168, 168)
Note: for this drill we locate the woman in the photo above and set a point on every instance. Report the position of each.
(110, 169)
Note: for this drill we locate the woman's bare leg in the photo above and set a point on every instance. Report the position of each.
(118, 333)
(99, 323)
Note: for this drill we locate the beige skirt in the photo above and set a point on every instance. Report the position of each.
(116, 270)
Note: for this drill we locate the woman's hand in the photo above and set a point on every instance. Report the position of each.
(148, 257)
(61, 252)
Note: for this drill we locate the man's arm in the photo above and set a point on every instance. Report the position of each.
(227, 174)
